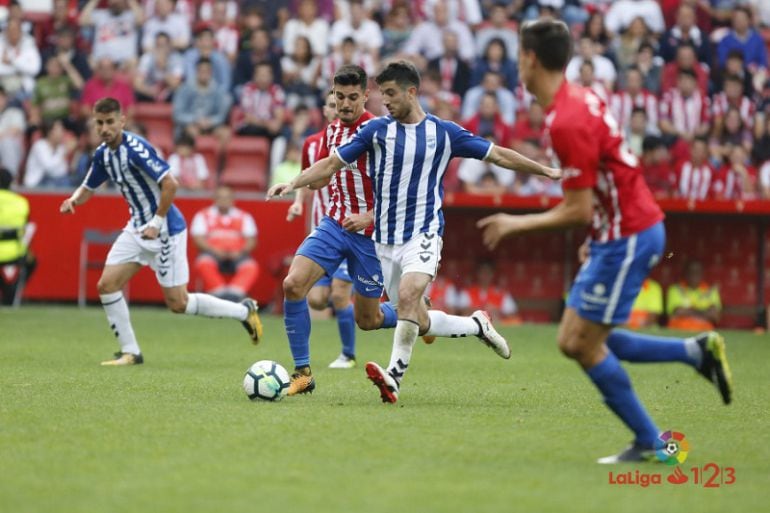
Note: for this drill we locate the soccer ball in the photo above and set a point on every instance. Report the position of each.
(266, 380)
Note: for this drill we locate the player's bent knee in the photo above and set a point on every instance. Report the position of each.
(572, 348)
(293, 289)
(340, 301)
(178, 306)
(104, 286)
(368, 322)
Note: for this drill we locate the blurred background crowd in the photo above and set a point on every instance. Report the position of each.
(209, 80)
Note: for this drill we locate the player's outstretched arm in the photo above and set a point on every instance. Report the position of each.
(575, 210)
(297, 207)
(80, 196)
(515, 161)
(321, 170)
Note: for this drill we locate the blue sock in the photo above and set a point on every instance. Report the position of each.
(637, 347)
(390, 315)
(347, 325)
(296, 318)
(611, 379)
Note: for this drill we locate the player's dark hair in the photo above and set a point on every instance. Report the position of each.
(351, 75)
(107, 106)
(550, 40)
(6, 178)
(403, 73)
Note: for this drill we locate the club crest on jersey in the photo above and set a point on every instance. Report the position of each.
(431, 142)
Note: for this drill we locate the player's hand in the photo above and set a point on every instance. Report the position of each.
(497, 227)
(279, 189)
(357, 222)
(150, 233)
(583, 252)
(67, 206)
(553, 173)
(295, 210)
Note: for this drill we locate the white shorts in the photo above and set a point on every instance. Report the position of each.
(166, 255)
(421, 254)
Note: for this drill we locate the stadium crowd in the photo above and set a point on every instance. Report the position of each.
(687, 80)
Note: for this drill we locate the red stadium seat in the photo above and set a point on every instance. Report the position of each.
(157, 118)
(247, 163)
(208, 146)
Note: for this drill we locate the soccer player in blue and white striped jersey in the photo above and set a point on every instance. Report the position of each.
(409, 151)
(155, 235)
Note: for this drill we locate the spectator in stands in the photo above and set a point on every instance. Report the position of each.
(685, 31)
(732, 97)
(686, 59)
(464, 11)
(657, 168)
(604, 69)
(636, 131)
(650, 67)
(251, 20)
(300, 71)
(685, 112)
(734, 67)
(693, 304)
(587, 78)
(260, 49)
(66, 49)
(531, 185)
(12, 127)
(648, 306)
(397, 29)
(343, 54)
(225, 32)
(202, 107)
(496, 59)
(308, 25)
(83, 156)
(596, 31)
(443, 293)
(626, 46)
(761, 155)
(492, 82)
(365, 32)
(481, 177)
(208, 10)
(263, 103)
(15, 256)
(426, 42)
(529, 128)
(205, 47)
(188, 166)
(485, 295)
(734, 133)
(116, 30)
(454, 74)
(19, 62)
(106, 82)
(165, 20)
(225, 237)
(160, 71)
(289, 168)
(764, 180)
(736, 179)
(54, 92)
(633, 96)
(693, 177)
(743, 37)
(498, 26)
(14, 12)
(489, 122)
(622, 13)
(64, 15)
(47, 164)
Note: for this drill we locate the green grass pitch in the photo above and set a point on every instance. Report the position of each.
(471, 433)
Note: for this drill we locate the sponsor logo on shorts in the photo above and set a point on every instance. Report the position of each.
(374, 281)
(596, 298)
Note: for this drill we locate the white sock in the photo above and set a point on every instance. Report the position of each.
(445, 325)
(403, 342)
(693, 350)
(116, 308)
(210, 306)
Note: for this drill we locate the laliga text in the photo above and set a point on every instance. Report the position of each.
(710, 475)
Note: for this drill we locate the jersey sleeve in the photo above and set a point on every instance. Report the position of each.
(306, 153)
(144, 157)
(97, 175)
(361, 142)
(578, 152)
(465, 144)
(198, 227)
(249, 226)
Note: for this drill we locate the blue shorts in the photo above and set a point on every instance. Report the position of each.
(329, 245)
(340, 274)
(609, 281)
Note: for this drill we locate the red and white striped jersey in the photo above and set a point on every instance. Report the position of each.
(694, 182)
(262, 103)
(351, 186)
(622, 105)
(310, 149)
(686, 114)
(593, 155)
(746, 107)
(729, 184)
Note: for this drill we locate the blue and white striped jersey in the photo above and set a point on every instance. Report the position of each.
(407, 165)
(136, 169)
